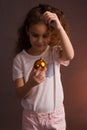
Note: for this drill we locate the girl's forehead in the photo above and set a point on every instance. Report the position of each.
(38, 24)
(39, 27)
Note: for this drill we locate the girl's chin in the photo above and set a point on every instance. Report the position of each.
(41, 49)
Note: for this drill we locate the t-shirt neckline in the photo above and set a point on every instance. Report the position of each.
(33, 56)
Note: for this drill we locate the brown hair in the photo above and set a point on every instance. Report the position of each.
(33, 17)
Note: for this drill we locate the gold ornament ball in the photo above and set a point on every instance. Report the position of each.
(40, 63)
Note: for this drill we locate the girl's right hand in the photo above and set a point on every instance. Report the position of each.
(37, 76)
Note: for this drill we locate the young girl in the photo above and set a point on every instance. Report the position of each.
(42, 35)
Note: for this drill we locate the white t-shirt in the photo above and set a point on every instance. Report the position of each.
(48, 95)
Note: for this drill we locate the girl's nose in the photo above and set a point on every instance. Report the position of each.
(40, 39)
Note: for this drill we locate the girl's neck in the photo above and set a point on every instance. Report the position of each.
(35, 53)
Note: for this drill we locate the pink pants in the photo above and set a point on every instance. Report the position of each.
(44, 121)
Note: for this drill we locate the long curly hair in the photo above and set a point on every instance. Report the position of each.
(33, 17)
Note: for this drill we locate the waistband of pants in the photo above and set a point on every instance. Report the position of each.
(57, 110)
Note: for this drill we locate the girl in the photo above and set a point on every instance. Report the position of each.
(42, 35)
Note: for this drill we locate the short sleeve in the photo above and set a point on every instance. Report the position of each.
(65, 63)
(17, 71)
(58, 59)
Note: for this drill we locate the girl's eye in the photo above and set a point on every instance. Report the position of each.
(45, 36)
(35, 35)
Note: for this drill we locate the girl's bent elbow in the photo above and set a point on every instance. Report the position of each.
(71, 56)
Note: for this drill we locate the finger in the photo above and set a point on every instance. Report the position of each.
(44, 70)
(50, 19)
(38, 71)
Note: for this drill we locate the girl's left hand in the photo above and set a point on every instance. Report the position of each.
(51, 19)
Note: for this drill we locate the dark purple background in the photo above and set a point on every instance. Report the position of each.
(74, 77)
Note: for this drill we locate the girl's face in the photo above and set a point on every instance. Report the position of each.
(39, 38)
